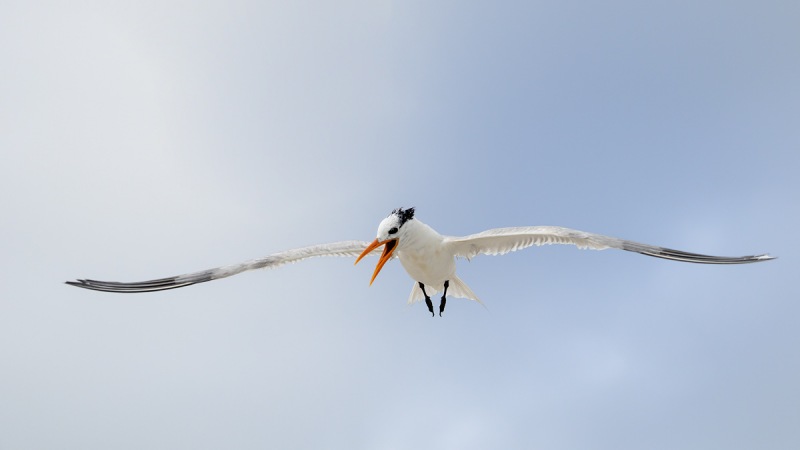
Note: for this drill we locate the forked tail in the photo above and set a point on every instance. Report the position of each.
(457, 288)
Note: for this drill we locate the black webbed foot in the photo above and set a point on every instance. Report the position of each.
(427, 299)
(444, 297)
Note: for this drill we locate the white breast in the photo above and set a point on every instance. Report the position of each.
(424, 257)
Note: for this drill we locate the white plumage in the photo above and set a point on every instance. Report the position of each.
(427, 256)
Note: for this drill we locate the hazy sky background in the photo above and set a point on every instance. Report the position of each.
(147, 139)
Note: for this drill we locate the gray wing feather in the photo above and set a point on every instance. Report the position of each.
(344, 248)
(499, 241)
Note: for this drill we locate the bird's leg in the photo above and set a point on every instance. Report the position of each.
(427, 299)
(444, 297)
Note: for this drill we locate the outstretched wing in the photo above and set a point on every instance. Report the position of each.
(344, 248)
(499, 241)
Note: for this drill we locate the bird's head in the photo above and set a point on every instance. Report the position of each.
(390, 233)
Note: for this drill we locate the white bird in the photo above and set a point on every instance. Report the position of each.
(427, 256)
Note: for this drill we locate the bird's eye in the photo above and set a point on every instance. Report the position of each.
(393, 230)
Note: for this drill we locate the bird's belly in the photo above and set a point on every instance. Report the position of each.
(432, 269)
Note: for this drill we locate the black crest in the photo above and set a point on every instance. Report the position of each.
(404, 214)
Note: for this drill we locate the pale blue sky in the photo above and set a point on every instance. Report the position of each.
(147, 139)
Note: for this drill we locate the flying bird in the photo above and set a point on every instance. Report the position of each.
(427, 256)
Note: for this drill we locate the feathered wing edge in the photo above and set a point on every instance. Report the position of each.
(344, 248)
(499, 241)
(680, 255)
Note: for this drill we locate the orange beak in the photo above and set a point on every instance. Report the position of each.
(391, 244)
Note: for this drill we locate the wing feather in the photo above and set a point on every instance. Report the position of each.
(344, 248)
(499, 241)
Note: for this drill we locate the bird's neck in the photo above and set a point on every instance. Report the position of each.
(420, 235)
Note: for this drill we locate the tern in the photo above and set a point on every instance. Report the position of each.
(428, 257)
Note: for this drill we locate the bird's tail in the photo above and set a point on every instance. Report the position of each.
(457, 288)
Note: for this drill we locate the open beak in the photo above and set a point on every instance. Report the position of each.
(391, 244)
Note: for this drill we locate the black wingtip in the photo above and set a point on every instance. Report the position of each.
(161, 284)
(678, 255)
